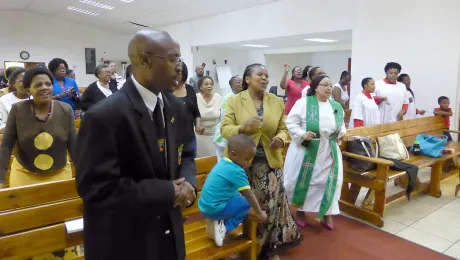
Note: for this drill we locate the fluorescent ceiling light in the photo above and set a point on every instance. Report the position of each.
(320, 40)
(73, 8)
(127, 1)
(255, 45)
(96, 4)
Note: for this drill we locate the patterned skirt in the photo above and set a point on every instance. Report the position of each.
(280, 232)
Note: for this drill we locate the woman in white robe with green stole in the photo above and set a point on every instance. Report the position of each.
(313, 170)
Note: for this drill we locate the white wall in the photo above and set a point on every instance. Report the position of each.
(424, 39)
(277, 19)
(333, 63)
(236, 59)
(46, 38)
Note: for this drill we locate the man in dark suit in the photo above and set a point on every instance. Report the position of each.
(135, 168)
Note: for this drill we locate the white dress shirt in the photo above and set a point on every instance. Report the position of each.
(150, 101)
(149, 98)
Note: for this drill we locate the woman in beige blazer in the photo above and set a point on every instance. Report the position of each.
(261, 115)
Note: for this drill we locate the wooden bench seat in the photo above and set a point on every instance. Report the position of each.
(32, 219)
(197, 243)
(199, 246)
(32, 222)
(372, 208)
(420, 161)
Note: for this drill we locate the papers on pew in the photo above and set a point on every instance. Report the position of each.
(74, 226)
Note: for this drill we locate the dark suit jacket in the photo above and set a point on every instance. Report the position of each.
(127, 195)
(93, 95)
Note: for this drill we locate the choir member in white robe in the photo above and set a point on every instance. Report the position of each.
(365, 111)
(412, 110)
(296, 123)
(395, 91)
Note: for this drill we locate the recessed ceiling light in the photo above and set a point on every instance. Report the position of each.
(127, 1)
(255, 45)
(96, 4)
(320, 40)
(73, 8)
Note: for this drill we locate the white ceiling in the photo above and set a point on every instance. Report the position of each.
(297, 41)
(152, 13)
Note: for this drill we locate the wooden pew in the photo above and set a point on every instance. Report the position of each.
(82, 89)
(32, 222)
(373, 206)
(197, 243)
(32, 219)
(77, 123)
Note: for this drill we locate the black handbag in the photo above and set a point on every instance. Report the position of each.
(361, 145)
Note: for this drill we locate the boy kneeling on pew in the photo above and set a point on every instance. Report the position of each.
(221, 202)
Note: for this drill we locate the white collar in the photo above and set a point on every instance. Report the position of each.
(106, 91)
(149, 98)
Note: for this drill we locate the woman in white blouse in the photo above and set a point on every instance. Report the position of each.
(209, 104)
(18, 94)
(340, 93)
(99, 89)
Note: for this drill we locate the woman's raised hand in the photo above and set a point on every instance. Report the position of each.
(287, 67)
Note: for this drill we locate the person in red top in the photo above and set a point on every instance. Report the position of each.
(445, 111)
(293, 86)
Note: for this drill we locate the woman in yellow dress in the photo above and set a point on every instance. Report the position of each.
(41, 131)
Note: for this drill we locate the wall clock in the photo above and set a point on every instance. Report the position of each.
(24, 55)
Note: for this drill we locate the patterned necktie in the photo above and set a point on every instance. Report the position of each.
(160, 130)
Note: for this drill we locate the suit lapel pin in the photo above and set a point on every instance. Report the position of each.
(172, 120)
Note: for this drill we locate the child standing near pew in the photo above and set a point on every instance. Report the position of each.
(445, 111)
(220, 201)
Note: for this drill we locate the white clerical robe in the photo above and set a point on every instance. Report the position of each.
(366, 110)
(296, 124)
(397, 97)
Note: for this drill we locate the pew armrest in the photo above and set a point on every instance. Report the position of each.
(250, 226)
(252, 216)
(368, 159)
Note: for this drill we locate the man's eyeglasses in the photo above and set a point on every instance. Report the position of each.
(172, 58)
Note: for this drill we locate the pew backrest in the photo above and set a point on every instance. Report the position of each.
(203, 166)
(407, 129)
(32, 219)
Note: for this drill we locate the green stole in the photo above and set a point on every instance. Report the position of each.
(309, 160)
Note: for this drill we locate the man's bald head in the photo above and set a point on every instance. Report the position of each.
(199, 69)
(148, 41)
(155, 57)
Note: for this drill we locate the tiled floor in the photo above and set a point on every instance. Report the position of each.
(425, 220)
